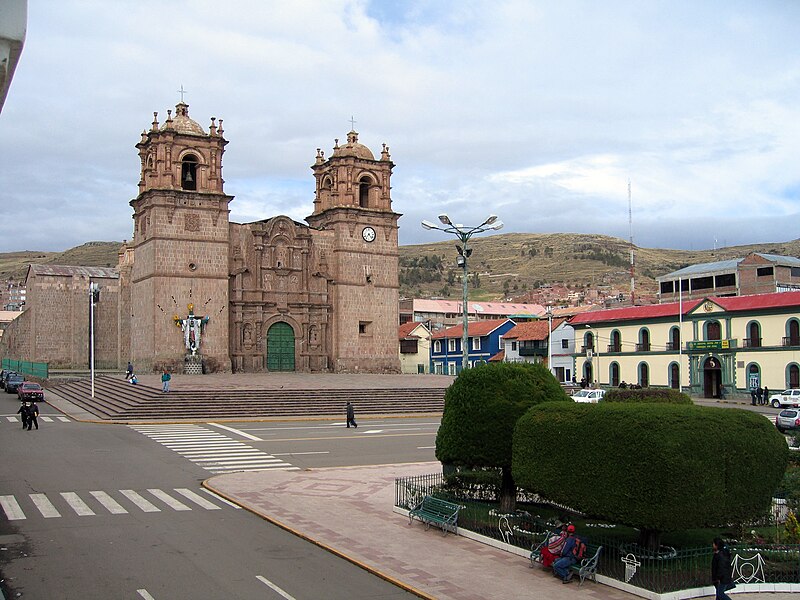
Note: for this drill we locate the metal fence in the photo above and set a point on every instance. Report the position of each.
(669, 570)
(26, 367)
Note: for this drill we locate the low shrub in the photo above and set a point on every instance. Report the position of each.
(657, 395)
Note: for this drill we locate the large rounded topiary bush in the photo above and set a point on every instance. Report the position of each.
(481, 408)
(657, 467)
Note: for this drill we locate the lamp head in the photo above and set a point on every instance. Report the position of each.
(429, 225)
(490, 220)
(496, 226)
(445, 219)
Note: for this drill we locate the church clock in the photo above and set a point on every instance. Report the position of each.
(368, 233)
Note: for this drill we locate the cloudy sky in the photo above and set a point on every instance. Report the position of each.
(540, 112)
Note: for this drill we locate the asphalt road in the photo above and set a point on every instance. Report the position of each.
(115, 512)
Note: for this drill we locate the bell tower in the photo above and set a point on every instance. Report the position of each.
(180, 243)
(353, 201)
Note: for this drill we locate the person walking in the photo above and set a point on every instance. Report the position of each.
(753, 396)
(24, 413)
(760, 395)
(721, 570)
(33, 412)
(351, 415)
(766, 395)
(165, 378)
(129, 371)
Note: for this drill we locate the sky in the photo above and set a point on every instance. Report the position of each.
(538, 112)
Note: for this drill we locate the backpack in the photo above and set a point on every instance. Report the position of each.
(579, 550)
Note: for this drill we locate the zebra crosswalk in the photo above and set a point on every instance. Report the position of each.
(210, 450)
(98, 502)
(41, 419)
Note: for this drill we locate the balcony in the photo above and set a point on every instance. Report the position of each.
(673, 346)
(752, 342)
(614, 348)
(643, 347)
(584, 349)
(525, 350)
(791, 341)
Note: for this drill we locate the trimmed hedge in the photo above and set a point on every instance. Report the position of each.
(482, 406)
(663, 396)
(657, 466)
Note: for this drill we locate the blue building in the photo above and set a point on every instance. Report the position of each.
(485, 341)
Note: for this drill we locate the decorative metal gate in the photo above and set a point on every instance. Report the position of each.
(280, 347)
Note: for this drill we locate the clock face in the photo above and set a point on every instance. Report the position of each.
(368, 233)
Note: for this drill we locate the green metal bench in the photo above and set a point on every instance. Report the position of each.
(435, 511)
(536, 548)
(587, 567)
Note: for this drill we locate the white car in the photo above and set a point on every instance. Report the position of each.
(593, 396)
(786, 398)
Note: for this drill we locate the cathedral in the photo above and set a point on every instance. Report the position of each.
(195, 292)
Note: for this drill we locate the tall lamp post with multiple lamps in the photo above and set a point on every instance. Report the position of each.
(549, 313)
(464, 233)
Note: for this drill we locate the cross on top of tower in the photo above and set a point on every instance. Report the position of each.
(352, 123)
(182, 92)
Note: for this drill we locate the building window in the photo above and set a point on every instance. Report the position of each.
(644, 341)
(451, 345)
(753, 339)
(713, 330)
(500, 340)
(753, 376)
(614, 374)
(727, 280)
(703, 283)
(674, 342)
(514, 346)
(667, 287)
(408, 346)
(793, 376)
(437, 346)
(365, 328)
(674, 376)
(616, 341)
(765, 271)
(476, 343)
(438, 368)
(564, 343)
(451, 368)
(363, 192)
(189, 172)
(644, 375)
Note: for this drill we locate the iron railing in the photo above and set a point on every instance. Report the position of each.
(26, 367)
(669, 570)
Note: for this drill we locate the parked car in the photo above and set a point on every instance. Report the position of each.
(785, 398)
(788, 419)
(593, 396)
(28, 390)
(13, 382)
(5, 375)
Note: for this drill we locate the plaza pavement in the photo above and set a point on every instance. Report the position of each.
(349, 511)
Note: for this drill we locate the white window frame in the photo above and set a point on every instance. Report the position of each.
(475, 343)
(451, 368)
(501, 342)
(437, 346)
(451, 345)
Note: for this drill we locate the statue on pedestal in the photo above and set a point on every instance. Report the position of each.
(192, 327)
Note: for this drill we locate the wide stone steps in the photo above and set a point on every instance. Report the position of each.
(115, 399)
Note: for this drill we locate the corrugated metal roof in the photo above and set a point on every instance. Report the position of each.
(474, 329)
(704, 268)
(790, 261)
(483, 308)
(69, 271)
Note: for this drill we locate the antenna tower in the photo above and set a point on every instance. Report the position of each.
(630, 227)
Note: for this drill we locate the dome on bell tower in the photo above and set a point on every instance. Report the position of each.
(353, 148)
(181, 123)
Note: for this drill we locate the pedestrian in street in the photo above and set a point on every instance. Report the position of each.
(766, 395)
(760, 395)
(721, 570)
(165, 378)
(33, 412)
(129, 371)
(351, 416)
(753, 396)
(24, 413)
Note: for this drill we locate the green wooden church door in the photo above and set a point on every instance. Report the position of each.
(280, 347)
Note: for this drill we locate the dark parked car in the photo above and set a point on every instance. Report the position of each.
(13, 382)
(788, 419)
(30, 391)
(5, 375)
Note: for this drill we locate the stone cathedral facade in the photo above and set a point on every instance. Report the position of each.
(273, 295)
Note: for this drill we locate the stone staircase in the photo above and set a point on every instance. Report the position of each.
(118, 400)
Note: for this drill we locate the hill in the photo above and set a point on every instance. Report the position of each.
(501, 266)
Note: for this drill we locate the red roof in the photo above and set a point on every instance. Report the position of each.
(535, 330)
(474, 329)
(406, 329)
(499, 357)
(654, 311)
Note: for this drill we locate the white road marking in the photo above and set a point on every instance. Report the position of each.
(373, 431)
(75, 503)
(237, 432)
(12, 508)
(111, 505)
(12, 419)
(142, 503)
(301, 453)
(145, 595)
(168, 500)
(199, 500)
(45, 506)
(46, 419)
(274, 587)
(220, 498)
(223, 452)
(64, 419)
(426, 447)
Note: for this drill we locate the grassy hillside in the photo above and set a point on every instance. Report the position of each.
(500, 265)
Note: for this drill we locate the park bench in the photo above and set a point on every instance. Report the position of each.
(435, 511)
(586, 567)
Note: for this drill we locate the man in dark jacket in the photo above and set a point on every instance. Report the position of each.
(351, 416)
(24, 414)
(561, 568)
(33, 412)
(721, 571)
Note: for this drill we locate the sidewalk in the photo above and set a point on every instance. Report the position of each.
(349, 512)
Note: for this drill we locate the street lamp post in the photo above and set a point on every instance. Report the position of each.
(549, 313)
(464, 233)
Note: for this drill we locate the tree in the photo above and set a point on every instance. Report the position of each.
(481, 408)
(656, 467)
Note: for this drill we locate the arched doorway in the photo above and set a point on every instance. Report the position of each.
(588, 374)
(794, 376)
(614, 375)
(674, 376)
(280, 347)
(644, 375)
(712, 377)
